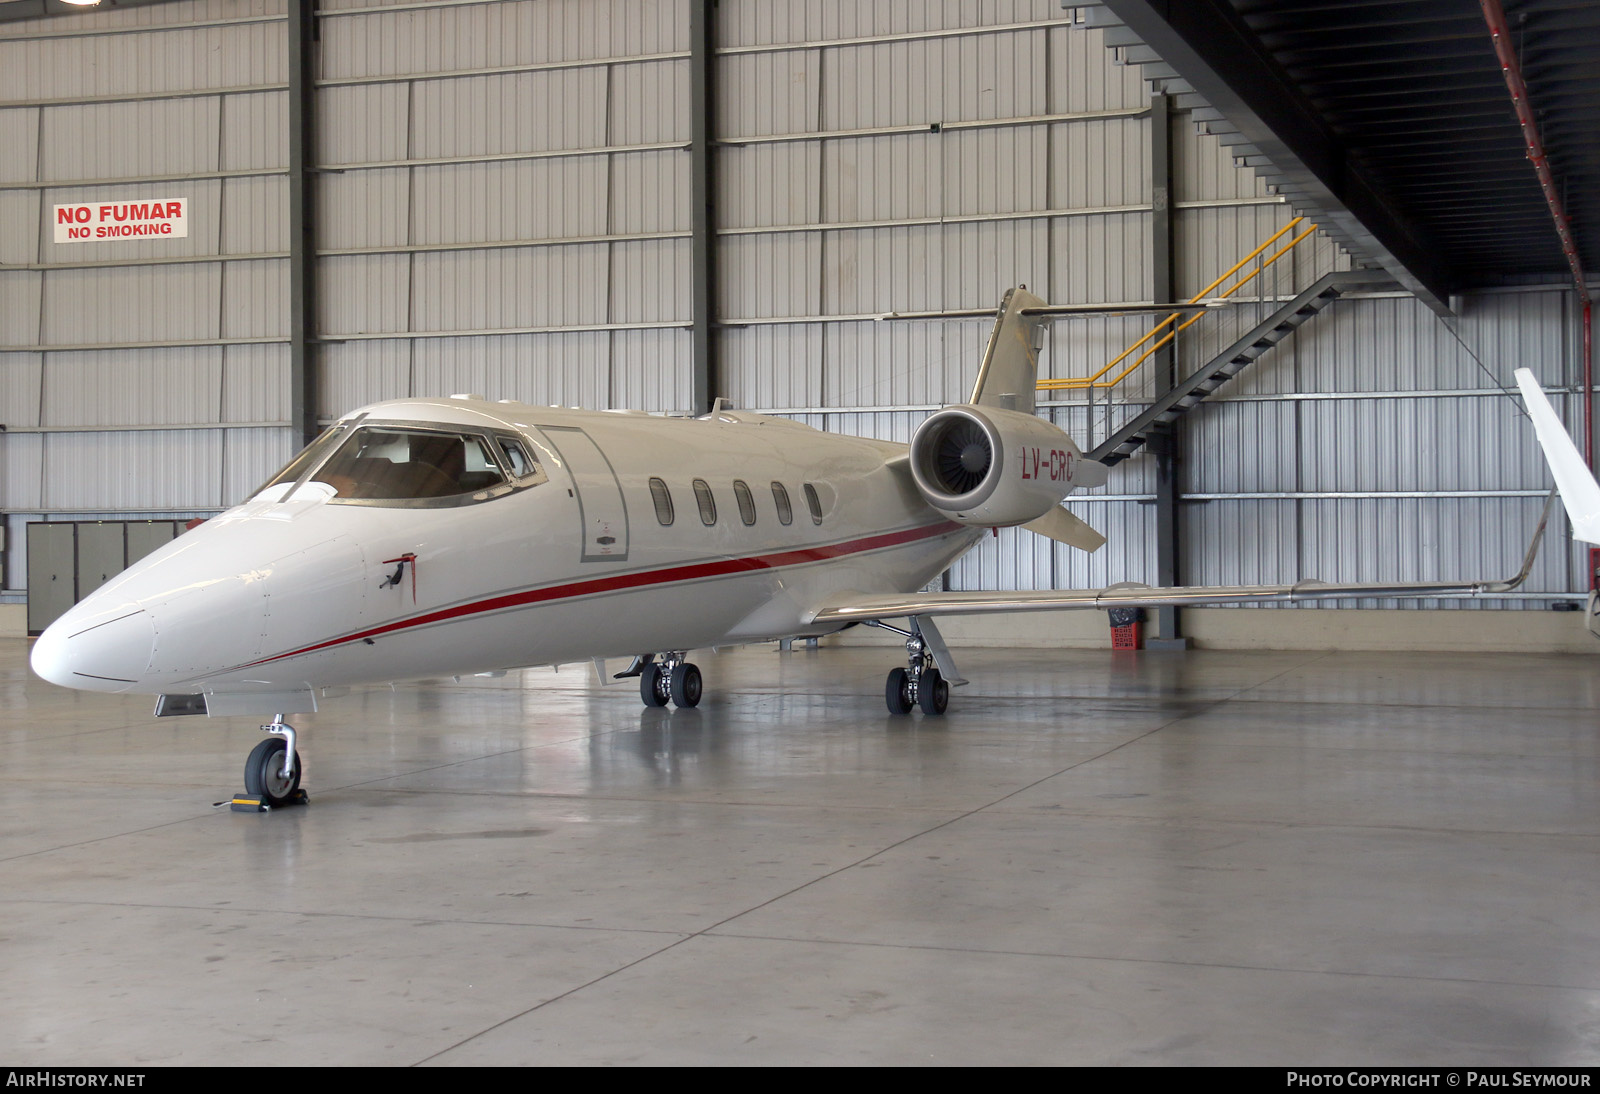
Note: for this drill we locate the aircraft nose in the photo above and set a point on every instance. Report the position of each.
(96, 656)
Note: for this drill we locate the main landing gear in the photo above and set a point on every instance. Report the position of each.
(926, 689)
(920, 683)
(272, 772)
(672, 678)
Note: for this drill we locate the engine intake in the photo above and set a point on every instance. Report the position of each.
(991, 467)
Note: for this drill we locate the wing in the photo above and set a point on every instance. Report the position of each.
(858, 608)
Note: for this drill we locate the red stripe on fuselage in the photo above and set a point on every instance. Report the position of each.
(616, 583)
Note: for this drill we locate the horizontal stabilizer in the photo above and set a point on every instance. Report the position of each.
(1066, 527)
(1579, 492)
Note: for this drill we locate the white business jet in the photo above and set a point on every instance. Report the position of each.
(436, 537)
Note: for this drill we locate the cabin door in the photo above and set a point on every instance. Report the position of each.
(602, 512)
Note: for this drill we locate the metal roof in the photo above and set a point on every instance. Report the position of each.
(1390, 122)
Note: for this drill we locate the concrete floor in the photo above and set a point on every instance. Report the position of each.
(1202, 858)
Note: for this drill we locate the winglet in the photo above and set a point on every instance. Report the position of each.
(1579, 491)
(1010, 371)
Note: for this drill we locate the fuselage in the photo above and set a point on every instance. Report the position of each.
(595, 534)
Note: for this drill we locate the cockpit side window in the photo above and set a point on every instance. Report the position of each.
(516, 458)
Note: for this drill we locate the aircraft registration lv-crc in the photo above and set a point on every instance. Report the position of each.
(451, 536)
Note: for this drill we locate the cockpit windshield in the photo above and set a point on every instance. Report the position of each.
(311, 455)
(395, 464)
(399, 464)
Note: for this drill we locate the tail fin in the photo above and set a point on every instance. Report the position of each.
(1579, 491)
(1010, 369)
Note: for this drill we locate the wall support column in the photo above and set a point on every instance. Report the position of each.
(303, 350)
(705, 383)
(1164, 442)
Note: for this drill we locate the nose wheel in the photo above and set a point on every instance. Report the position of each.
(272, 772)
(264, 774)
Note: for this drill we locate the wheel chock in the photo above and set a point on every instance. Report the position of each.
(246, 803)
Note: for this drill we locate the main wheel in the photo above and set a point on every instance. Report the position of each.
(653, 686)
(897, 691)
(933, 692)
(263, 772)
(686, 685)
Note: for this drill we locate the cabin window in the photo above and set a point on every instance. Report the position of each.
(780, 498)
(813, 503)
(708, 504)
(747, 503)
(663, 499)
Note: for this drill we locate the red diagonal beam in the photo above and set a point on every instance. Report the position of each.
(1495, 16)
(1500, 33)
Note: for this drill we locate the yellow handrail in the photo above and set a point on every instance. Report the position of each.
(1195, 318)
(1076, 382)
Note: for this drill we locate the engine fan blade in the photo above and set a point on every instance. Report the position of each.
(963, 457)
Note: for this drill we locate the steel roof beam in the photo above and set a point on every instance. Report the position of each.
(1218, 55)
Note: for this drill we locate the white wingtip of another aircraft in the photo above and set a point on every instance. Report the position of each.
(1579, 491)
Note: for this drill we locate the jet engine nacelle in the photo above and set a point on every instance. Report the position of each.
(985, 466)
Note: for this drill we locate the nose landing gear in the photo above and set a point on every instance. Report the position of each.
(272, 772)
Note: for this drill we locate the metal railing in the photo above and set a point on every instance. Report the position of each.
(1096, 381)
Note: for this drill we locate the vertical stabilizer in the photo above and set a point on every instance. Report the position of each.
(1579, 492)
(1010, 371)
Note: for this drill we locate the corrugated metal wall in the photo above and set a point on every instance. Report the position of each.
(506, 207)
(925, 157)
(143, 376)
(505, 210)
(1319, 459)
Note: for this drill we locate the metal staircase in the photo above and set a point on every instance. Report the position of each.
(1227, 364)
